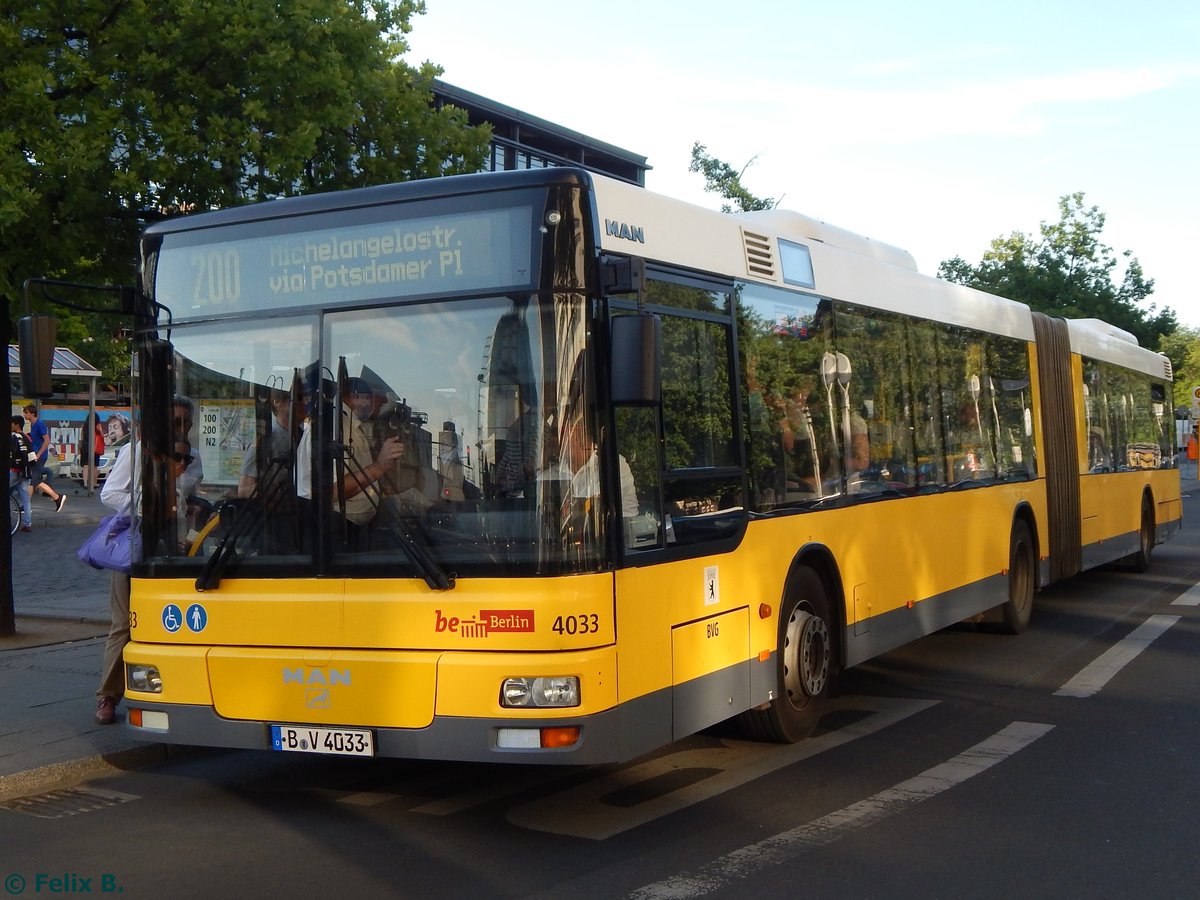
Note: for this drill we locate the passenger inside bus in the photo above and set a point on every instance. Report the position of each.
(581, 467)
(368, 460)
(277, 449)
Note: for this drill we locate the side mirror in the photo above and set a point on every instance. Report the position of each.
(635, 362)
(36, 335)
(155, 394)
(623, 275)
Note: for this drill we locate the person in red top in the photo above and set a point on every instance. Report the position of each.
(92, 467)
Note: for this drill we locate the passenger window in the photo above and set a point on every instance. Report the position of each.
(694, 479)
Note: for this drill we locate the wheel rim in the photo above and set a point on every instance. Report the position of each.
(806, 657)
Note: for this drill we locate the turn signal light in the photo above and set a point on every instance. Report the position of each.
(560, 737)
(537, 738)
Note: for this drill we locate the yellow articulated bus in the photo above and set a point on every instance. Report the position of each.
(542, 467)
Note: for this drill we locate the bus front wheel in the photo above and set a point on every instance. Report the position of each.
(804, 663)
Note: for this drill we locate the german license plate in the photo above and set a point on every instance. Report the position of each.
(312, 739)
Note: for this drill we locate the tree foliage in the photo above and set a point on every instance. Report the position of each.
(1182, 347)
(1067, 271)
(721, 178)
(120, 113)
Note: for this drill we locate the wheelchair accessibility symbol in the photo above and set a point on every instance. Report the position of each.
(172, 618)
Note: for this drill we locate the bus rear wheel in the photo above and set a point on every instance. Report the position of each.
(1022, 580)
(804, 664)
(1140, 561)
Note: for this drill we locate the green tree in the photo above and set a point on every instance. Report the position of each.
(120, 113)
(721, 178)
(1182, 347)
(1067, 271)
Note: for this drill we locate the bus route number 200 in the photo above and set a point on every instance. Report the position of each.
(588, 623)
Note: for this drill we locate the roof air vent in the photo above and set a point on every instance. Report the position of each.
(760, 256)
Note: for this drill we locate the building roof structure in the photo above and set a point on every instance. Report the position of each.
(524, 141)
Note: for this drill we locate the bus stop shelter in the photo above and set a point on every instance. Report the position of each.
(66, 364)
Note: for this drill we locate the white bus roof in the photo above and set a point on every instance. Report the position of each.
(845, 266)
(1099, 340)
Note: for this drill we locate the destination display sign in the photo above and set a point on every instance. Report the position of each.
(343, 263)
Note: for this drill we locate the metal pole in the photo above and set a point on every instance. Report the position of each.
(8, 618)
(88, 441)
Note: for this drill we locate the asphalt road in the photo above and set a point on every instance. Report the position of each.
(1057, 763)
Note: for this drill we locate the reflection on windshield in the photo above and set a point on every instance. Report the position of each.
(438, 440)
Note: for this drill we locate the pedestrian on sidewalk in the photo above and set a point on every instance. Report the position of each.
(20, 467)
(39, 436)
(92, 452)
(118, 494)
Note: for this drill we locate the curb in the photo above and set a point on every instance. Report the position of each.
(58, 775)
(50, 630)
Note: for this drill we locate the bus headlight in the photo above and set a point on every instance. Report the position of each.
(143, 678)
(557, 691)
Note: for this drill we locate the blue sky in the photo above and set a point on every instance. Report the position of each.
(935, 126)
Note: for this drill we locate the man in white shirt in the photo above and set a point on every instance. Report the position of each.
(585, 464)
(122, 493)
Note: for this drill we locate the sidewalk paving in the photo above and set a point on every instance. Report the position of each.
(49, 671)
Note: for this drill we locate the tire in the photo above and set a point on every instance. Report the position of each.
(804, 665)
(1022, 580)
(14, 514)
(1140, 561)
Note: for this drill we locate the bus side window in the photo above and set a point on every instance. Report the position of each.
(637, 449)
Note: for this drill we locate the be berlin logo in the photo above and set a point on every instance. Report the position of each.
(66, 883)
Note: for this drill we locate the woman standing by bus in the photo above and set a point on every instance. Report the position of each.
(94, 447)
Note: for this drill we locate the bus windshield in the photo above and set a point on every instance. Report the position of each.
(455, 437)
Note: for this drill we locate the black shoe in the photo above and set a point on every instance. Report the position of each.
(60, 502)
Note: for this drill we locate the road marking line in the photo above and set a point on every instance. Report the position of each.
(418, 783)
(582, 811)
(513, 785)
(1190, 597)
(781, 847)
(367, 798)
(1097, 674)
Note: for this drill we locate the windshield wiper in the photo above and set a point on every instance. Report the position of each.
(251, 515)
(418, 555)
(435, 576)
(269, 492)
